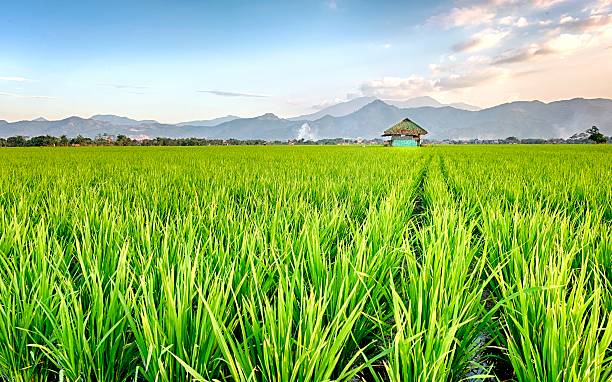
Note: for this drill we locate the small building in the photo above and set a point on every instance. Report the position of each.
(405, 133)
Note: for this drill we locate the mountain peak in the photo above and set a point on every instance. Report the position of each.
(268, 116)
(73, 118)
(378, 104)
(209, 122)
(427, 101)
(40, 119)
(119, 120)
(337, 109)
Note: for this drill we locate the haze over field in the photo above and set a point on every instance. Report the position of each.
(200, 66)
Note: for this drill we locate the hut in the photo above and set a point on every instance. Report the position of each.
(405, 133)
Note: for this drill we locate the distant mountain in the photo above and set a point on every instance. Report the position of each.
(464, 106)
(72, 126)
(267, 127)
(117, 120)
(524, 119)
(40, 119)
(86, 127)
(533, 119)
(209, 122)
(415, 102)
(365, 122)
(426, 101)
(348, 107)
(337, 110)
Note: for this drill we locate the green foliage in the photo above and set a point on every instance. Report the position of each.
(596, 136)
(305, 263)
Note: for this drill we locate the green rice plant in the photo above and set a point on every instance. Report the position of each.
(438, 313)
(305, 263)
(555, 321)
(27, 280)
(545, 229)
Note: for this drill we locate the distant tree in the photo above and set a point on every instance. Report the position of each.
(43, 140)
(123, 140)
(18, 141)
(595, 135)
(81, 140)
(512, 140)
(63, 141)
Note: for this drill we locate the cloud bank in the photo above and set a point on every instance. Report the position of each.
(506, 40)
(223, 93)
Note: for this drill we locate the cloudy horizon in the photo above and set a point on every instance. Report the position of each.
(187, 61)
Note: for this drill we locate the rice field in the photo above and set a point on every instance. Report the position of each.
(306, 263)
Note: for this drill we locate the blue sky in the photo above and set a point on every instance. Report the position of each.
(182, 60)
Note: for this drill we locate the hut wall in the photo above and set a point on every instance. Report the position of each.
(404, 142)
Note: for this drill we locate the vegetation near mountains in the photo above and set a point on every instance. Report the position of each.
(352, 120)
(596, 136)
(122, 140)
(306, 264)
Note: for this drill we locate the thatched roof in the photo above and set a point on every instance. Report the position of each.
(405, 127)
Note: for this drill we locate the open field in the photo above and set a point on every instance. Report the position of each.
(306, 263)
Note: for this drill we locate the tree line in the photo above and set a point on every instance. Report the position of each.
(593, 135)
(123, 140)
(120, 140)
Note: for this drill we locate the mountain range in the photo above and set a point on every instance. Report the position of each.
(364, 117)
(351, 106)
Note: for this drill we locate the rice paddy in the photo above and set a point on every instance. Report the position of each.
(306, 263)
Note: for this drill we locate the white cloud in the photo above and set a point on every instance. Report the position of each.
(466, 80)
(601, 7)
(387, 46)
(14, 95)
(513, 56)
(546, 3)
(15, 79)
(592, 24)
(455, 77)
(486, 11)
(223, 93)
(522, 22)
(566, 42)
(332, 4)
(566, 19)
(486, 39)
(481, 60)
(466, 16)
(567, 37)
(328, 103)
(498, 52)
(124, 86)
(397, 87)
